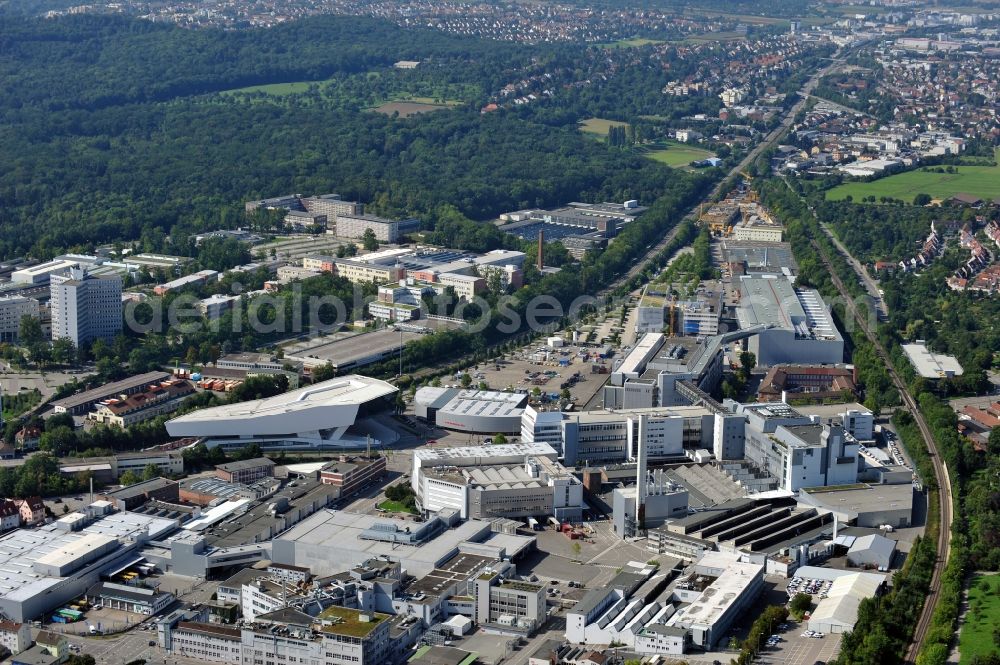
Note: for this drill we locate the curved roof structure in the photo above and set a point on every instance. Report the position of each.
(328, 405)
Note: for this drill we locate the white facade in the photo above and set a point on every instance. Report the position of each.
(12, 310)
(315, 416)
(85, 308)
(16, 637)
(860, 424)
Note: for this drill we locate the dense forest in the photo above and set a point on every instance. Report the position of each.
(112, 131)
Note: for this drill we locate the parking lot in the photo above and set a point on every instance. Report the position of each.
(818, 589)
(795, 649)
(519, 371)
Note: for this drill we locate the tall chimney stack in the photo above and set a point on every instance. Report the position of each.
(541, 244)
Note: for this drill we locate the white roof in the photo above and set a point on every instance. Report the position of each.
(873, 542)
(216, 514)
(840, 606)
(492, 451)
(931, 365)
(325, 405)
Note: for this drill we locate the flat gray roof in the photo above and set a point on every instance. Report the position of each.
(932, 365)
(101, 392)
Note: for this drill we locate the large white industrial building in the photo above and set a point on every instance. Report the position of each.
(479, 411)
(800, 326)
(536, 486)
(637, 610)
(44, 568)
(317, 416)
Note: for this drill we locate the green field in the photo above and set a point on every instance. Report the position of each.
(394, 507)
(671, 153)
(276, 89)
(599, 125)
(981, 181)
(981, 619)
(676, 154)
(634, 41)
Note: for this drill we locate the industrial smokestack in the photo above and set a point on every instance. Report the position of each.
(541, 244)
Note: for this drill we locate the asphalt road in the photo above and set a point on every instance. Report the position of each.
(940, 471)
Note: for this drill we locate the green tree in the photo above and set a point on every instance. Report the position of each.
(368, 240)
(465, 380)
(150, 471)
(323, 373)
(921, 199)
(800, 604)
(129, 478)
(499, 438)
(30, 331)
(59, 440)
(63, 351)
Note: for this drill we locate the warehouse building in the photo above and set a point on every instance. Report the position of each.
(932, 365)
(478, 411)
(135, 599)
(50, 565)
(838, 612)
(800, 328)
(80, 403)
(329, 541)
(865, 505)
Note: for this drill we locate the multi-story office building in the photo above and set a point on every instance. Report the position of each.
(614, 436)
(85, 308)
(757, 229)
(332, 205)
(245, 471)
(207, 642)
(355, 270)
(351, 474)
(12, 310)
(350, 225)
(351, 637)
(319, 262)
(508, 604)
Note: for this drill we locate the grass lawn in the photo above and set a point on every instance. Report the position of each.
(982, 618)
(634, 41)
(676, 154)
(276, 89)
(599, 125)
(981, 181)
(395, 507)
(671, 153)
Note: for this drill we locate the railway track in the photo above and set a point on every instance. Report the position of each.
(941, 477)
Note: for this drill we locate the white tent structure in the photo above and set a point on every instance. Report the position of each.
(838, 612)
